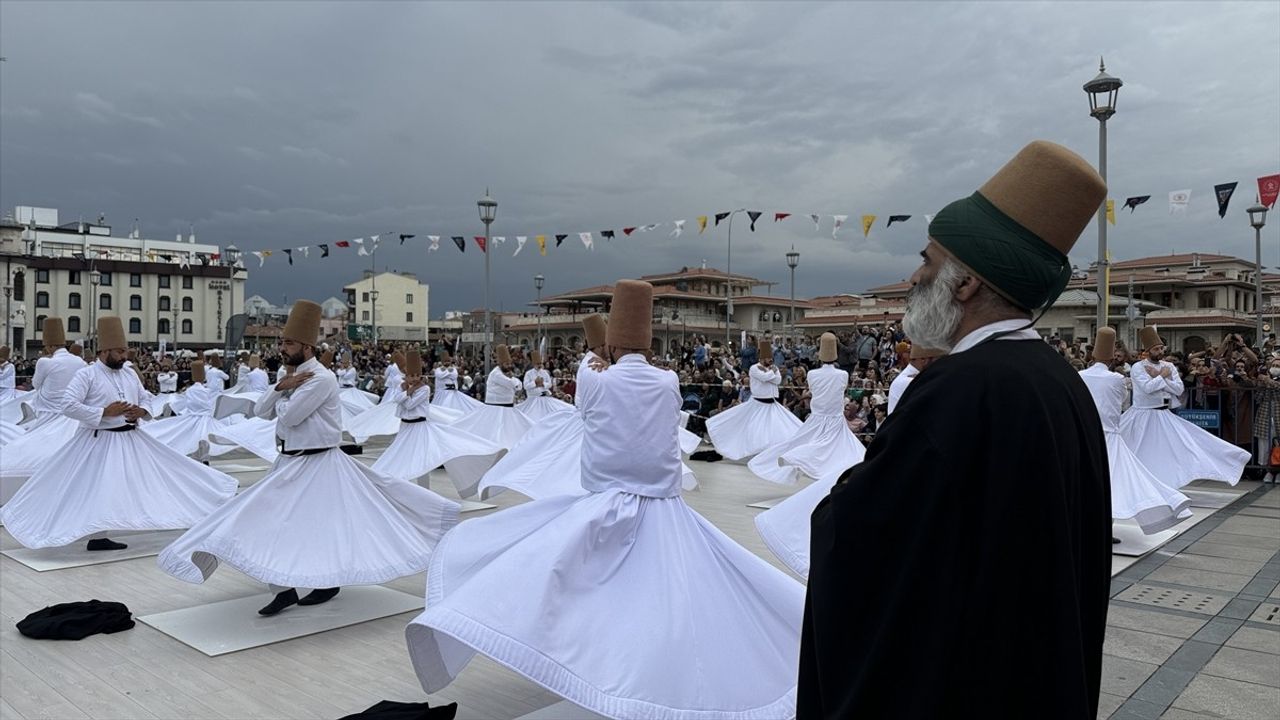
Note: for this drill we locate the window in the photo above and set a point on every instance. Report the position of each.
(135, 302)
(135, 325)
(186, 282)
(163, 326)
(39, 323)
(1207, 298)
(19, 286)
(164, 304)
(364, 297)
(73, 323)
(408, 317)
(42, 277)
(73, 277)
(186, 304)
(42, 299)
(364, 315)
(104, 302)
(135, 279)
(164, 282)
(408, 298)
(186, 327)
(73, 300)
(104, 279)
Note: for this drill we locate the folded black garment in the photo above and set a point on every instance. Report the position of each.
(76, 620)
(392, 710)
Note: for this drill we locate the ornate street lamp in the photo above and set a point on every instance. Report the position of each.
(488, 211)
(1103, 91)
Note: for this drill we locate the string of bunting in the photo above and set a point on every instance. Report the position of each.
(1179, 200)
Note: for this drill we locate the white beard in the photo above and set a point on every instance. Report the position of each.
(933, 314)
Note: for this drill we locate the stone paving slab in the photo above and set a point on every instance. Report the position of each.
(1121, 676)
(1256, 639)
(1230, 538)
(1223, 697)
(1246, 665)
(1244, 525)
(1138, 645)
(1199, 578)
(1234, 566)
(1242, 552)
(1124, 616)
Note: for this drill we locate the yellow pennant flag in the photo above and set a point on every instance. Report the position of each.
(702, 223)
(867, 222)
(542, 244)
(1111, 211)
(266, 253)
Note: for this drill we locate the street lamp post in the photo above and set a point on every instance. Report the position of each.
(373, 318)
(793, 259)
(538, 280)
(1258, 218)
(8, 314)
(233, 256)
(94, 278)
(728, 305)
(1103, 91)
(488, 211)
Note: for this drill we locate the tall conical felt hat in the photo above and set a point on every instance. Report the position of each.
(4, 353)
(197, 371)
(255, 362)
(326, 358)
(54, 335)
(215, 360)
(397, 357)
(111, 334)
(535, 357)
(445, 357)
(502, 354)
(596, 330)
(1149, 336)
(413, 363)
(902, 348)
(631, 315)
(1104, 345)
(764, 348)
(919, 352)
(827, 348)
(1014, 233)
(303, 325)
(76, 349)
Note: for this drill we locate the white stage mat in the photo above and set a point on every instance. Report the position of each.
(473, 506)
(563, 710)
(232, 625)
(233, 468)
(1210, 498)
(74, 555)
(766, 504)
(1134, 543)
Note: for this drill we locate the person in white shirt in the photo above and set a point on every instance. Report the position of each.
(8, 374)
(215, 378)
(538, 385)
(348, 377)
(167, 386)
(256, 378)
(109, 477)
(188, 432)
(318, 519)
(49, 429)
(745, 429)
(497, 420)
(920, 358)
(1174, 450)
(450, 387)
(52, 375)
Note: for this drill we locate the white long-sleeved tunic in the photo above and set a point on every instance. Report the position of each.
(307, 417)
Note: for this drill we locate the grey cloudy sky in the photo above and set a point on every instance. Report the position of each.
(279, 124)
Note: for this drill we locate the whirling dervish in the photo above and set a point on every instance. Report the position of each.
(746, 429)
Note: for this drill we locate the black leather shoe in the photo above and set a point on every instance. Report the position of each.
(322, 595)
(105, 544)
(282, 601)
(1115, 541)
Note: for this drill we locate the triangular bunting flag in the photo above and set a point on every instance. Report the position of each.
(542, 244)
(324, 250)
(480, 241)
(651, 226)
(289, 253)
(585, 237)
(780, 216)
(343, 244)
(897, 218)
(560, 239)
(719, 217)
(460, 242)
(404, 237)
(838, 222)
(1178, 201)
(1223, 192)
(1268, 189)
(500, 239)
(435, 243)
(628, 231)
(520, 241)
(816, 226)
(702, 223)
(1133, 202)
(262, 259)
(1111, 211)
(306, 251)
(607, 234)
(754, 215)
(679, 228)
(867, 222)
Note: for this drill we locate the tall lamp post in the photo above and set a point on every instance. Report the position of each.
(373, 318)
(8, 314)
(1258, 218)
(728, 305)
(1103, 91)
(538, 280)
(94, 278)
(488, 211)
(233, 257)
(793, 259)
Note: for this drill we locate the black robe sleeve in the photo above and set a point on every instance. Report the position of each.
(964, 566)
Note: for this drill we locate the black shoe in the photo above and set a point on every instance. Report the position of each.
(282, 601)
(322, 595)
(105, 544)
(1115, 541)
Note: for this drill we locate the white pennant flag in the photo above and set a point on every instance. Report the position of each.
(679, 228)
(360, 243)
(374, 239)
(304, 250)
(651, 226)
(839, 221)
(928, 219)
(587, 242)
(520, 241)
(499, 238)
(1178, 201)
(261, 259)
(816, 226)
(435, 242)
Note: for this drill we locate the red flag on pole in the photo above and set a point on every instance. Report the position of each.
(480, 241)
(343, 243)
(1269, 189)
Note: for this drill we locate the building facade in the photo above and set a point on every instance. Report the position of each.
(387, 306)
(180, 292)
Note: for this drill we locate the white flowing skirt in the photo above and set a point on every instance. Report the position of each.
(41, 443)
(189, 434)
(457, 400)
(785, 526)
(629, 606)
(10, 432)
(162, 404)
(317, 521)
(746, 429)
(11, 408)
(537, 408)
(422, 447)
(1137, 494)
(257, 435)
(824, 447)
(381, 420)
(355, 401)
(1177, 452)
(548, 462)
(114, 481)
(502, 426)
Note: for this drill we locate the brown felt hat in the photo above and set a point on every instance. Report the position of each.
(1149, 336)
(902, 348)
(54, 335)
(303, 325)
(445, 357)
(596, 330)
(111, 334)
(1104, 345)
(76, 349)
(413, 363)
(502, 354)
(764, 348)
(919, 352)
(326, 358)
(631, 315)
(535, 357)
(255, 362)
(397, 357)
(4, 353)
(197, 371)
(1049, 190)
(827, 348)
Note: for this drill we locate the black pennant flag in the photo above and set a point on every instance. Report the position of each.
(204, 259)
(1135, 201)
(897, 218)
(1223, 192)
(404, 237)
(606, 234)
(560, 239)
(754, 215)
(719, 217)
(324, 250)
(460, 242)
(289, 253)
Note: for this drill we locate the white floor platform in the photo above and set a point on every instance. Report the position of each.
(74, 555)
(1134, 543)
(766, 504)
(563, 710)
(473, 506)
(1201, 498)
(232, 625)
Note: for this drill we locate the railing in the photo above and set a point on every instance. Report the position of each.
(1248, 417)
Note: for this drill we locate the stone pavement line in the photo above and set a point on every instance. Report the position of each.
(1220, 602)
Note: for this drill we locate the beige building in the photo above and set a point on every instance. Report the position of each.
(387, 306)
(180, 292)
